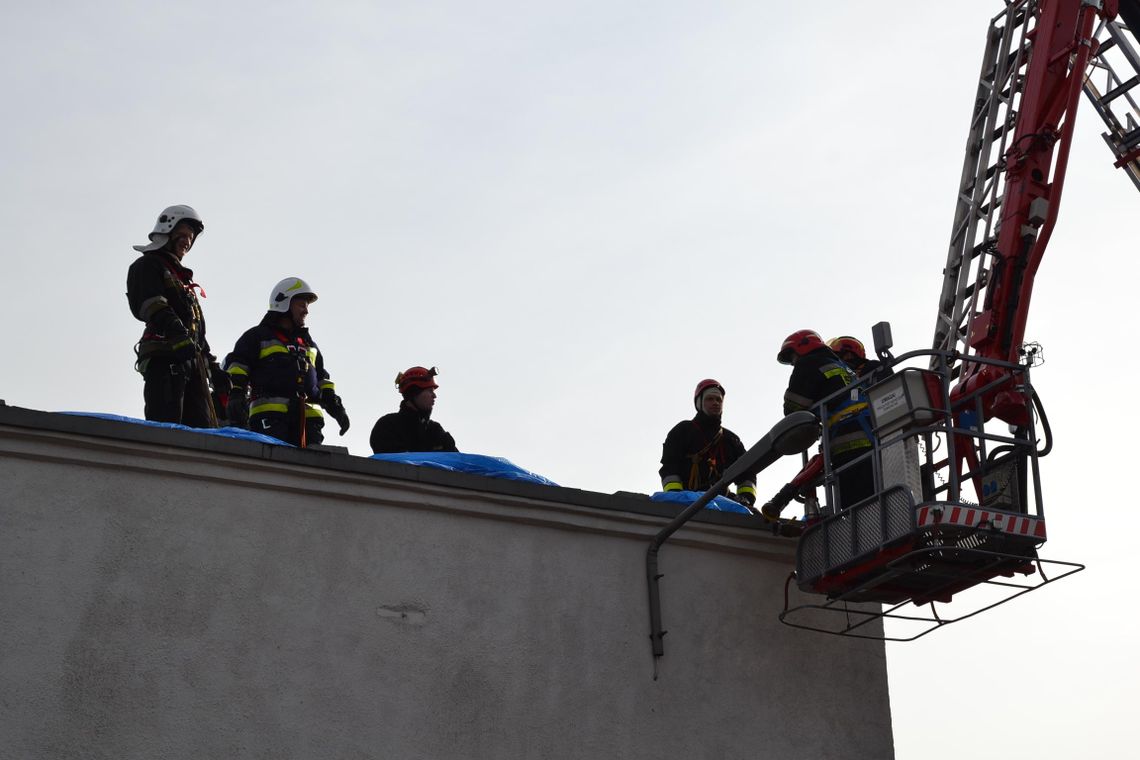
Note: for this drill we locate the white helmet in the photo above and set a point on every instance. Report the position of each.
(167, 221)
(284, 291)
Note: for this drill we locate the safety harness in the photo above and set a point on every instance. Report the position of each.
(153, 342)
(708, 456)
(306, 387)
(851, 412)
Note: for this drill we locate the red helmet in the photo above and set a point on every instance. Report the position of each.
(847, 343)
(416, 379)
(799, 343)
(703, 386)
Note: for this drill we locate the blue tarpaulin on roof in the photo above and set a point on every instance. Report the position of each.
(226, 432)
(476, 464)
(718, 503)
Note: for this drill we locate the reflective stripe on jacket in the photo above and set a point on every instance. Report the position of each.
(816, 376)
(278, 367)
(696, 453)
(161, 293)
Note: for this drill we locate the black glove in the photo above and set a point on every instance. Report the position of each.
(335, 407)
(776, 504)
(220, 379)
(184, 349)
(747, 499)
(237, 408)
(341, 417)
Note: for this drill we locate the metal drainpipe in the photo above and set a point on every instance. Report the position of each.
(656, 634)
(791, 435)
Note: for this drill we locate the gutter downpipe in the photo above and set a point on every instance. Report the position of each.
(791, 435)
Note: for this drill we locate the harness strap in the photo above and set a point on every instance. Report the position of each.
(695, 469)
(285, 341)
(188, 287)
(305, 366)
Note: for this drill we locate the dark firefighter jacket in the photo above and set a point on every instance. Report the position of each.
(409, 430)
(280, 366)
(160, 292)
(874, 369)
(696, 453)
(816, 376)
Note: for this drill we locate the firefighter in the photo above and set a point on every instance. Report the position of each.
(851, 351)
(279, 374)
(816, 374)
(696, 452)
(411, 428)
(173, 355)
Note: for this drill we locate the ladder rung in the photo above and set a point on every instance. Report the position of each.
(1129, 141)
(1119, 90)
(985, 210)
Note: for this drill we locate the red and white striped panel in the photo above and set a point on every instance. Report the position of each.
(972, 517)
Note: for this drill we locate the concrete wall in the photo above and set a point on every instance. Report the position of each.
(171, 595)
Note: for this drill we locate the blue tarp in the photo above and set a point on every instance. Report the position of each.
(226, 432)
(476, 464)
(718, 503)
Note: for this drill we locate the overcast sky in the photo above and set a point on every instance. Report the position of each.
(576, 211)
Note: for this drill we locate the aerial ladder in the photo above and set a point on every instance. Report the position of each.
(957, 504)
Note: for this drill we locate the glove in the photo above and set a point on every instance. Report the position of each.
(776, 504)
(184, 349)
(237, 408)
(220, 379)
(341, 417)
(335, 407)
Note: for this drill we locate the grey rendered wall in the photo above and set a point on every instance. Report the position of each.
(158, 602)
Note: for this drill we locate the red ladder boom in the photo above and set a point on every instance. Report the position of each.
(1033, 75)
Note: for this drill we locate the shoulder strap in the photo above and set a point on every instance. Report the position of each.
(696, 457)
(285, 341)
(182, 277)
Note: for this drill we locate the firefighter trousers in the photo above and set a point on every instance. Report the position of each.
(286, 427)
(176, 392)
(856, 482)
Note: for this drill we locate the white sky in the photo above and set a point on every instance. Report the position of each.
(577, 210)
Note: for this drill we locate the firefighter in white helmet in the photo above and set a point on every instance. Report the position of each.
(278, 372)
(173, 355)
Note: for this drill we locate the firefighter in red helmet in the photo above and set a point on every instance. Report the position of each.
(698, 451)
(817, 373)
(411, 428)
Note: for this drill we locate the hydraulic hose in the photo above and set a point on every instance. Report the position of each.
(1044, 427)
(1044, 424)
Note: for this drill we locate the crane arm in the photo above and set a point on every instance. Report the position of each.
(1035, 67)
